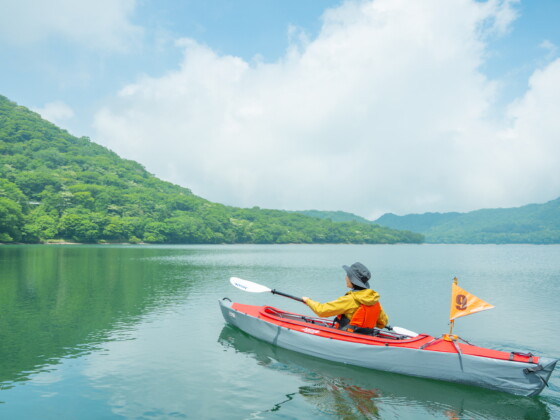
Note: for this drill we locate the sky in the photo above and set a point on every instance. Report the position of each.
(364, 106)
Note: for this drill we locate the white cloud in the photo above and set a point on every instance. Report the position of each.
(531, 144)
(55, 112)
(386, 110)
(102, 24)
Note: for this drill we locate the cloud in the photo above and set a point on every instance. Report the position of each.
(385, 110)
(55, 112)
(103, 24)
(531, 145)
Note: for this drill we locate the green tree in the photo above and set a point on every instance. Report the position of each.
(154, 232)
(11, 220)
(41, 228)
(78, 227)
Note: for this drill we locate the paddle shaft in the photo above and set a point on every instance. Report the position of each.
(276, 292)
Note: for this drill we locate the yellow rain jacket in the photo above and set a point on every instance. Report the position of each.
(348, 304)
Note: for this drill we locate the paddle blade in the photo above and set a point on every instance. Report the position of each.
(404, 331)
(248, 286)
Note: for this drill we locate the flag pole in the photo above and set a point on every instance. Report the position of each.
(452, 322)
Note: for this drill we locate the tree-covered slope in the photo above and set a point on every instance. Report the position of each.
(533, 223)
(335, 216)
(57, 186)
(417, 222)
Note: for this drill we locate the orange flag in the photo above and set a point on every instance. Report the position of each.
(463, 303)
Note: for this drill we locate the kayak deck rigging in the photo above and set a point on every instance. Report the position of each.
(327, 323)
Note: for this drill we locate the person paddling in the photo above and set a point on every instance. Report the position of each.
(358, 310)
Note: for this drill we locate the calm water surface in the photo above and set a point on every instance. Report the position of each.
(135, 332)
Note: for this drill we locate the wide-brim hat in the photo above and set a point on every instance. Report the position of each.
(358, 274)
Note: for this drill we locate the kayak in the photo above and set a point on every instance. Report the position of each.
(446, 358)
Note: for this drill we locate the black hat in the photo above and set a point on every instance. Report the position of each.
(358, 274)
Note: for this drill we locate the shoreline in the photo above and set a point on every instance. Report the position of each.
(66, 243)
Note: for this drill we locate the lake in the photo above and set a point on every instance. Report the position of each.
(135, 332)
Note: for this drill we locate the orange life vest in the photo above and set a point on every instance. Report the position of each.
(364, 317)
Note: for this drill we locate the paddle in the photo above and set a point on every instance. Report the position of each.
(249, 286)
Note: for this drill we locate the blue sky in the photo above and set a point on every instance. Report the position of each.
(364, 106)
(57, 67)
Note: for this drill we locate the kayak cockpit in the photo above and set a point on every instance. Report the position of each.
(328, 325)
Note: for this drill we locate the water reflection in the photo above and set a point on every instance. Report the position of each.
(349, 392)
(67, 301)
(337, 398)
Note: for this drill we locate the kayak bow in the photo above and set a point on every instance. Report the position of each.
(423, 355)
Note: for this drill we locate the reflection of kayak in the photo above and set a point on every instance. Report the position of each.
(423, 355)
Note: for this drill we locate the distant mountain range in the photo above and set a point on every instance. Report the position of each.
(533, 223)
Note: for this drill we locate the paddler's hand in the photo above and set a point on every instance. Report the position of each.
(305, 299)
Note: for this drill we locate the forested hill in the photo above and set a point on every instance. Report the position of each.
(335, 216)
(533, 223)
(54, 186)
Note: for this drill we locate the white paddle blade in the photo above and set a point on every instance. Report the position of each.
(404, 331)
(248, 286)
